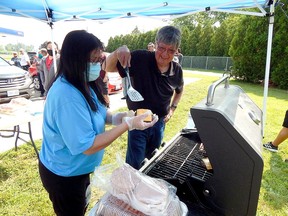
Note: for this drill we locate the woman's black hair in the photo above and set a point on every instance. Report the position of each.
(73, 64)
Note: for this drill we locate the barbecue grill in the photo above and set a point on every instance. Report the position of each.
(216, 166)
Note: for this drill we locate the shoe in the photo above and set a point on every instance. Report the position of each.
(123, 98)
(270, 147)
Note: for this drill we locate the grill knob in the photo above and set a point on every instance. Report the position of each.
(154, 152)
(144, 162)
(206, 192)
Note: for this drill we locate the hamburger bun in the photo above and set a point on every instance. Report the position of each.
(142, 111)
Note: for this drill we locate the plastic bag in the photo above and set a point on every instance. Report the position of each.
(136, 190)
(111, 205)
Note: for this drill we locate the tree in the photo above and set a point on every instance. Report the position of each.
(193, 41)
(135, 31)
(18, 46)
(247, 49)
(185, 45)
(197, 31)
(203, 45)
(219, 44)
(279, 63)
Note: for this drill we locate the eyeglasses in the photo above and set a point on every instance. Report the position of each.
(163, 49)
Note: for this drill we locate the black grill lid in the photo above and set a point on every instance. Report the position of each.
(230, 126)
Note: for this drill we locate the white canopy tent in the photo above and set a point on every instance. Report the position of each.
(51, 11)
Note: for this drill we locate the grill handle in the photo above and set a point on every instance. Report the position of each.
(213, 86)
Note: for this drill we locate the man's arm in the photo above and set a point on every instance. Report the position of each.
(122, 54)
(174, 103)
(175, 100)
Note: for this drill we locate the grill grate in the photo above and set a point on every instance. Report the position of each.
(181, 160)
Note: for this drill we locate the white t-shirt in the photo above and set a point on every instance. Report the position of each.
(24, 59)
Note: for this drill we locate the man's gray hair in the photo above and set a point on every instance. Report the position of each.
(169, 35)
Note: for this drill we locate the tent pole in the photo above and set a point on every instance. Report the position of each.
(53, 50)
(268, 61)
(49, 15)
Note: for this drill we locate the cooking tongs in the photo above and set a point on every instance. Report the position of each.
(134, 95)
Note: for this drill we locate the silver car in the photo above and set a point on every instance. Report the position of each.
(14, 82)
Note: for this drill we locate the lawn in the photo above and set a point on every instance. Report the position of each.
(21, 192)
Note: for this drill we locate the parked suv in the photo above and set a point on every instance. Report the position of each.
(35, 77)
(33, 71)
(14, 82)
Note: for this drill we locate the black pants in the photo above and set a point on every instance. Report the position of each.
(69, 195)
(42, 91)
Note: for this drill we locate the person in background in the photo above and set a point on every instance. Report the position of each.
(16, 60)
(151, 46)
(24, 60)
(102, 80)
(74, 118)
(40, 56)
(102, 84)
(47, 67)
(42, 53)
(179, 56)
(280, 138)
(175, 58)
(159, 80)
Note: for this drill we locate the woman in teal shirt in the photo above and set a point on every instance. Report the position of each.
(74, 121)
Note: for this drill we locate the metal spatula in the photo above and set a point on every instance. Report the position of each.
(134, 95)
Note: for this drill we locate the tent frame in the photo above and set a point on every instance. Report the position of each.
(233, 7)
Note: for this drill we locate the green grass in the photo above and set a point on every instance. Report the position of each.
(21, 192)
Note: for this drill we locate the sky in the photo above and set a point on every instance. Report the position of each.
(36, 32)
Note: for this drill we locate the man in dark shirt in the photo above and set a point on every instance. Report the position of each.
(16, 60)
(159, 80)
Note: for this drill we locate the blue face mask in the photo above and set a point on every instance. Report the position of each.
(94, 71)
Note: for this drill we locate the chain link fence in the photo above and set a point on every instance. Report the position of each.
(207, 62)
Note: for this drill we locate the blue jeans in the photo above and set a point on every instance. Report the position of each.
(141, 143)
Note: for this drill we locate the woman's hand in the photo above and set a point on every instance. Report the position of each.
(117, 118)
(138, 122)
